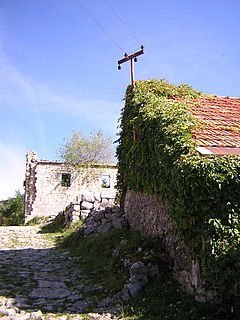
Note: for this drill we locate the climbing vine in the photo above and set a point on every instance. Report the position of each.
(157, 156)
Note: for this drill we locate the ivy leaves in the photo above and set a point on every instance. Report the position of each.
(157, 156)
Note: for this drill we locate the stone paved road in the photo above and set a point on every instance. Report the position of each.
(37, 281)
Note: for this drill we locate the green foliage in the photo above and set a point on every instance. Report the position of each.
(109, 268)
(87, 151)
(12, 210)
(164, 300)
(107, 264)
(208, 190)
(54, 226)
(157, 156)
(155, 131)
(59, 225)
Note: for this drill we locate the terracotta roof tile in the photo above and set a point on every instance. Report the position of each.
(219, 119)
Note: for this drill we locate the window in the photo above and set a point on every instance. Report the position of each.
(105, 181)
(66, 180)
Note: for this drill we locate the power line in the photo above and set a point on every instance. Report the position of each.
(98, 24)
(122, 21)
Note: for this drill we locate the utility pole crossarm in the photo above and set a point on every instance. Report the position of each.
(133, 58)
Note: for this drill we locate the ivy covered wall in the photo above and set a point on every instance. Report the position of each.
(157, 156)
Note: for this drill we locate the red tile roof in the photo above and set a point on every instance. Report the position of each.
(219, 130)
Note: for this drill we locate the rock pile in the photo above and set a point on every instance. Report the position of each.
(101, 221)
(89, 202)
(140, 275)
(95, 201)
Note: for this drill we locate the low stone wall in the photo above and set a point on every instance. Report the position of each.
(95, 201)
(88, 203)
(101, 221)
(145, 214)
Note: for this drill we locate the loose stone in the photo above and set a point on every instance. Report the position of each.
(38, 281)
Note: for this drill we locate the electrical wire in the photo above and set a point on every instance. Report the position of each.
(122, 21)
(98, 24)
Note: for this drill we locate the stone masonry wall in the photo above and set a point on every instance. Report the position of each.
(30, 182)
(45, 195)
(88, 204)
(145, 214)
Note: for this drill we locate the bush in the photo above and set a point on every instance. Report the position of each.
(12, 210)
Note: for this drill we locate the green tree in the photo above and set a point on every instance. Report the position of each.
(87, 150)
(86, 153)
(12, 210)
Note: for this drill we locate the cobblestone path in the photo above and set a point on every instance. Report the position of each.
(37, 281)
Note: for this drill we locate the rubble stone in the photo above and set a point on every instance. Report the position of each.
(104, 221)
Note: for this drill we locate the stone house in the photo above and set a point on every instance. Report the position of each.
(50, 186)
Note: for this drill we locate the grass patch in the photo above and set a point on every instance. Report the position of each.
(165, 300)
(97, 258)
(37, 220)
(56, 230)
(55, 226)
(58, 225)
(105, 260)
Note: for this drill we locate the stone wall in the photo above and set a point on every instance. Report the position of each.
(145, 214)
(47, 193)
(88, 204)
(30, 182)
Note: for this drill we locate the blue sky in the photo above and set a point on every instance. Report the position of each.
(59, 69)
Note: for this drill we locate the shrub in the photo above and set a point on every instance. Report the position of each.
(12, 210)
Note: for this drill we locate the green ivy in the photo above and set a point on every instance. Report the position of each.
(157, 156)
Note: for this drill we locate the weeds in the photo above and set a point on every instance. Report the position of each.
(105, 260)
(37, 220)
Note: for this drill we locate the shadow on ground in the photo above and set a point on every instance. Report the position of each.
(44, 279)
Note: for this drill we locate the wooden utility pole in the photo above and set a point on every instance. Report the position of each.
(133, 58)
